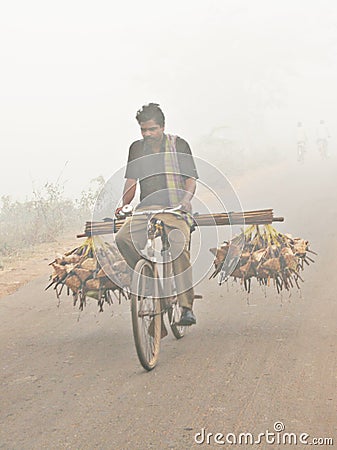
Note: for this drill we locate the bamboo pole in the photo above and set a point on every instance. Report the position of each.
(255, 217)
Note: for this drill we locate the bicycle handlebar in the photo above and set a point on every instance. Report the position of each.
(175, 210)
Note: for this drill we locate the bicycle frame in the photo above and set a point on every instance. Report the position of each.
(148, 308)
(157, 228)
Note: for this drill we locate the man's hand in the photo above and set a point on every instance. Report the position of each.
(186, 205)
(118, 210)
(128, 194)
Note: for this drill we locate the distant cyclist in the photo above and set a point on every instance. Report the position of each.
(323, 137)
(301, 141)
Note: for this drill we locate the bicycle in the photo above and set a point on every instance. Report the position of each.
(323, 148)
(300, 151)
(153, 295)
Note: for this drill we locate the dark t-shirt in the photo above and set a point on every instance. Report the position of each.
(149, 169)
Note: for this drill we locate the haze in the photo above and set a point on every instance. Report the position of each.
(73, 75)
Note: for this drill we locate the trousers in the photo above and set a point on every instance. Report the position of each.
(132, 237)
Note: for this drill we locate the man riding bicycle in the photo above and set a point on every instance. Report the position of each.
(163, 166)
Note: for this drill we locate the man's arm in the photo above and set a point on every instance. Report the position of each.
(128, 193)
(190, 186)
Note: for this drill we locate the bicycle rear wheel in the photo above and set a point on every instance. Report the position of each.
(174, 311)
(324, 150)
(300, 152)
(146, 314)
(174, 314)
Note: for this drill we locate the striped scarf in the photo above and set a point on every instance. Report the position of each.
(174, 179)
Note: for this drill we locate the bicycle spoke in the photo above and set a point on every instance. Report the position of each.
(146, 318)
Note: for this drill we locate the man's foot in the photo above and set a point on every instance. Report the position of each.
(187, 318)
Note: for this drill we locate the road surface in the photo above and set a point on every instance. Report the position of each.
(71, 381)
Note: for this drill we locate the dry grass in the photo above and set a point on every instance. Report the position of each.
(44, 218)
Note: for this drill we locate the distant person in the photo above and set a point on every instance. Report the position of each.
(301, 141)
(323, 137)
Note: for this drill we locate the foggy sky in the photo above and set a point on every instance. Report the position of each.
(73, 75)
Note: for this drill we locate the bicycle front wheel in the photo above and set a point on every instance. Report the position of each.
(146, 314)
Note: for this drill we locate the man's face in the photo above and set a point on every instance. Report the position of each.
(151, 132)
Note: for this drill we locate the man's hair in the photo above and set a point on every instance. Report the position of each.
(151, 112)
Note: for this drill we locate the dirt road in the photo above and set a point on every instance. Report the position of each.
(17, 270)
(68, 384)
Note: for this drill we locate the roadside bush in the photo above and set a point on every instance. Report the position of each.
(45, 217)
